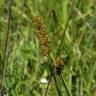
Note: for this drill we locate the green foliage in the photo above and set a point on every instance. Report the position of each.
(26, 66)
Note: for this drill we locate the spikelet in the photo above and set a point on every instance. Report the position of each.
(58, 65)
(42, 36)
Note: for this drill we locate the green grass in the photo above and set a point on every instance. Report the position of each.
(26, 66)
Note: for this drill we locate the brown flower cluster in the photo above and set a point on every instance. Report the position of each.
(58, 65)
(43, 36)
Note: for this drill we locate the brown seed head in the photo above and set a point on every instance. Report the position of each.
(58, 65)
(42, 36)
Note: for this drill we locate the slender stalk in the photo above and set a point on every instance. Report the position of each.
(7, 41)
(57, 85)
(66, 26)
(48, 83)
(65, 86)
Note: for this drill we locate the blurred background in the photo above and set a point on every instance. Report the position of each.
(27, 70)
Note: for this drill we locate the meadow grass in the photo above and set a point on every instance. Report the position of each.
(71, 29)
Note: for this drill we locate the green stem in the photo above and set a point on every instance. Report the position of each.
(57, 85)
(65, 86)
(48, 83)
(7, 41)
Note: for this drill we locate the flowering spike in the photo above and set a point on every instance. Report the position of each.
(42, 36)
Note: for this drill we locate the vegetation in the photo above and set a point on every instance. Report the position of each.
(48, 47)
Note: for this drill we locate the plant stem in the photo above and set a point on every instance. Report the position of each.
(48, 83)
(57, 85)
(7, 41)
(65, 86)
